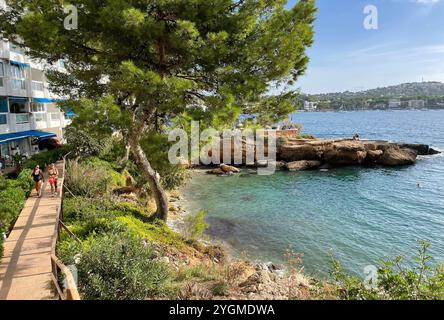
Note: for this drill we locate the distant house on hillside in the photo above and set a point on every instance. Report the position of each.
(394, 103)
(310, 106)
(416, 104)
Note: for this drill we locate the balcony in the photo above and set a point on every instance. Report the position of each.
(4, 50)
(19, 122)
(13, 87)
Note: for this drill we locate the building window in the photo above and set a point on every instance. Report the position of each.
(38, 107)
(2, 73)
(21, 118)
(18, 84)
(18, 106)
(3, 119)
(17, 72)
(15, 48)
(55, 116)
(37, 86)
(39, 117)
(3, 105)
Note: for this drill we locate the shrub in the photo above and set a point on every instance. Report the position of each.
(220, 289)
(195, 225)
(87, 180)
(121, 267)
(43, 159)
(396, 280)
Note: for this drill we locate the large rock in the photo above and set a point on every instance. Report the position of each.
(301, 151)
(396, 156)
(346, 152)
(373, 155)
(303, 165)
(229, 169)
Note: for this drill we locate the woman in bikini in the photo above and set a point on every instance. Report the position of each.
(37, 176)
(53, 173)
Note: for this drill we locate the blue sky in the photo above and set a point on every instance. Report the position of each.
(407, 46)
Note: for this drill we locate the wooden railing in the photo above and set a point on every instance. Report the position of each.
(70, 291)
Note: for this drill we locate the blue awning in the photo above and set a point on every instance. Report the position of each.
(44, 100)
(20, 64)
(8, 137)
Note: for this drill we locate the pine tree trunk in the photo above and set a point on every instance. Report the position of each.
(125, 157)
(153, 179)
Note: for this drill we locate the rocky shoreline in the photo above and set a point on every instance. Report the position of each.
(294, 154)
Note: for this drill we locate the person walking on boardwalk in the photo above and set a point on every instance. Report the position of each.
(53, 173)
(37, 175)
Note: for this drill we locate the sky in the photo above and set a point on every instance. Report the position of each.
(407, 46)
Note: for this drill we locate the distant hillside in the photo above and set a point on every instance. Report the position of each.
(407, 95)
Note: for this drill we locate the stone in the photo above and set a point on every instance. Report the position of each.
(298, 152)
(346, 152)
(303, 165)
(374, 155)
(227, 169)
(396, 156)
(216, 171)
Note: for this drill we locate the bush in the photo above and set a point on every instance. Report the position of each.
(43, 159)
(195, 225)
(396, 280)
(121, 267)
(220, 289)
(87, 180)
(13, 195)
(12, 200)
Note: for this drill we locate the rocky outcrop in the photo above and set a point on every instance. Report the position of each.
(345, 152)
(373, 156)
(302, 154)
(303, 165)
(301, 150)
(396, 156)
(224, 169)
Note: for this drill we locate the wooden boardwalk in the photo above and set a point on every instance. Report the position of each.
(25, 269)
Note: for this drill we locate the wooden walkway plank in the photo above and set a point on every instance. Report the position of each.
(25, 269)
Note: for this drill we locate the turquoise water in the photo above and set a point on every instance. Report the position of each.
(361, 214)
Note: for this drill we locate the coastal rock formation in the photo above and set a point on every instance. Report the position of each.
(303, 165)
(229, 169)
(396, 156)
(224, 169)
(373, 156)
(297, 150)
(345, 153)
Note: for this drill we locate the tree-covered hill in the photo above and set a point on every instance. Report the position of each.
(402, 96)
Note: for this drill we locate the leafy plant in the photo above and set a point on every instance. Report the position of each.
(196, 225)
(121, 267)
(396, 280)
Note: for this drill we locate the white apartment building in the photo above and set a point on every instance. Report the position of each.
(416, 104)
(28, 111)
(310, 106)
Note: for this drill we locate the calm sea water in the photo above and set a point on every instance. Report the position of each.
(359, 214)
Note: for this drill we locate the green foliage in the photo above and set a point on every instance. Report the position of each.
(13, 194)
(156, 148)
(196, 225)
(157, 231)
(92, 178)
(396, 280)
(220, 289)
(121, 267)
(84, 144)
(45, 158)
